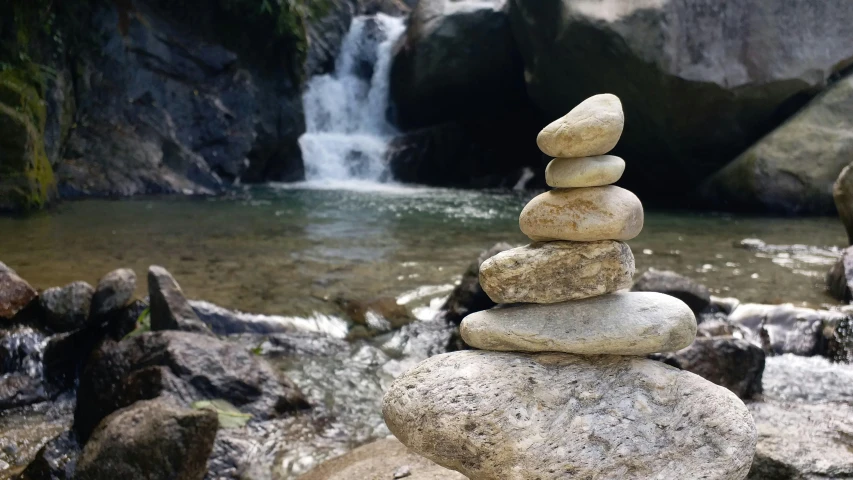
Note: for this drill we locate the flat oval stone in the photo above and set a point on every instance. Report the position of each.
(584, 172)
(619, 324)
(592, 128)
(554, 272)
(493, 415)
(583, 215)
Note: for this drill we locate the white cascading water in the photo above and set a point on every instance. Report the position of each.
(347, 133)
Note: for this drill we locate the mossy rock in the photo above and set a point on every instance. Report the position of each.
(22, 88)
(26, 177)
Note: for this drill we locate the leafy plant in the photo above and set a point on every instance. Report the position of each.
(143, 323)
(229, 415)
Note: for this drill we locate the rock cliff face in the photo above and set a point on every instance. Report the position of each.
(700, 80)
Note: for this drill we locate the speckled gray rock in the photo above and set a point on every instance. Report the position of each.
(67, 308)
(618, 324)
(114, 291)
(515, 416)
(557, 271)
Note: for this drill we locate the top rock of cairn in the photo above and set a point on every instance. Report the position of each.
(555, 391)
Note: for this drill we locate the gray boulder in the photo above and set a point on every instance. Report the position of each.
(839, 279)
(184, 367)
(114, 292)
(793, 169)
(694, 294)
(66, 308)
(729, 362)
(150, 439)
(485, 414)
(170, 310)
(699, 80)
(457, 59)
(56, 460)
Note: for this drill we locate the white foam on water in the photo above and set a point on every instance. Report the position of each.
(347, 132)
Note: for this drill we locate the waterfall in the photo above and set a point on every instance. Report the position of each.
(347, 132)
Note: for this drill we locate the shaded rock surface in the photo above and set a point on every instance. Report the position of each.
(150, 439)
(694, 294)
(456, 58)
(619, 324)
(729, 362)
(557, 271)
(793, 168)
(483, 414)
(184, 367)
(170, 310)
(57, 459)
(468, 297)
(842, 195)
(381, 460)
(700, 81)
(66, 308)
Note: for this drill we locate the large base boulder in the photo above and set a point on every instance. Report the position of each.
(793, 169)
(506, 415)
(700, 80)
(150, 439)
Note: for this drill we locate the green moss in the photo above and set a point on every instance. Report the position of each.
(22, 88)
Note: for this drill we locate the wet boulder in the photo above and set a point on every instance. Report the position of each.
(468, 297)
(772, 176)
(184, 367)
(150, 439)
(170, 310)
(15, 294)
(114, 292)
(785, 328)
(700, 81)
(839, 279)
(694, 294)
(729, 362)
(56, 460)
(455, 60)
(66, 308)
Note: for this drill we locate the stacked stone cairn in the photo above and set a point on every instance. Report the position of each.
(561, 387)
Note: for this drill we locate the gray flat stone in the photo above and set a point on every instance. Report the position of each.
(619, 324)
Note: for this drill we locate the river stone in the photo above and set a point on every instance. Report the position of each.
(618, 324)
(114, 291)
(591, 128)
(67, 308)
(842, 195)
(694, 294)
(584, 172)
(552, 272)
(839, 279)
(15, 293)
(150, 439)
(170, 310)
(517, 416)
(583, 215)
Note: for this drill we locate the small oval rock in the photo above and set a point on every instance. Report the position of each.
(584, 172)
(583, 215)
(591, 128)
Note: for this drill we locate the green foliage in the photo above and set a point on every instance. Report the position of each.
(143, 324)
(229, 415)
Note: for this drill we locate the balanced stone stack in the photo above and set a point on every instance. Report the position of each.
(561, 388)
